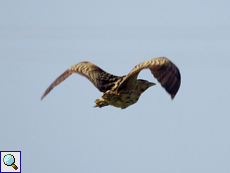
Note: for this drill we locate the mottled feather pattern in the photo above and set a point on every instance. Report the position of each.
(163, 70)
(101, 79)
(108, 81)
(119, 89)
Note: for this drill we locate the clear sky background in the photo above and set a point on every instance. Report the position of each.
(64, 133)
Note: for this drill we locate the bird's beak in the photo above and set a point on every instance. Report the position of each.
(151, 84)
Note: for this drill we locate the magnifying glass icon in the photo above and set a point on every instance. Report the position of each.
(9, 160)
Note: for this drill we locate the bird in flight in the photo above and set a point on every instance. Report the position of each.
(123, 91)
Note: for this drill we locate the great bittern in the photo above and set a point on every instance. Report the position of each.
(123, 91)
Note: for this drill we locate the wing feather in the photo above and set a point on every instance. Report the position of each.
(163, 70)
(102, 80)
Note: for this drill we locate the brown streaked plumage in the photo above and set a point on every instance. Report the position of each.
(123, 91)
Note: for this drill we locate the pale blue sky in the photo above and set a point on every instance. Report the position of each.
(41, 39)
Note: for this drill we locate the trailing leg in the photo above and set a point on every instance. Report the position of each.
(101, 103)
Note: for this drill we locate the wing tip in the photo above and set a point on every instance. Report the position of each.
(172, 96)
(42, 97)
(45, 93)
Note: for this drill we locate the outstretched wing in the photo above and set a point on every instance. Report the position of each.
(163, 69)
(102, 80)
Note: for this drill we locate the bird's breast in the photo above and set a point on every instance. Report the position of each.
(126, 99)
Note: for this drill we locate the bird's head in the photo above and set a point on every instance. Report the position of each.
(144, 84)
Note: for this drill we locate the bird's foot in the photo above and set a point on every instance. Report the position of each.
(101, 103)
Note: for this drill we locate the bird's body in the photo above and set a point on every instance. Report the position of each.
(123, 91)
(125, 97)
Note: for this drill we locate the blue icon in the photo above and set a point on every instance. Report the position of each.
(9, 160)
